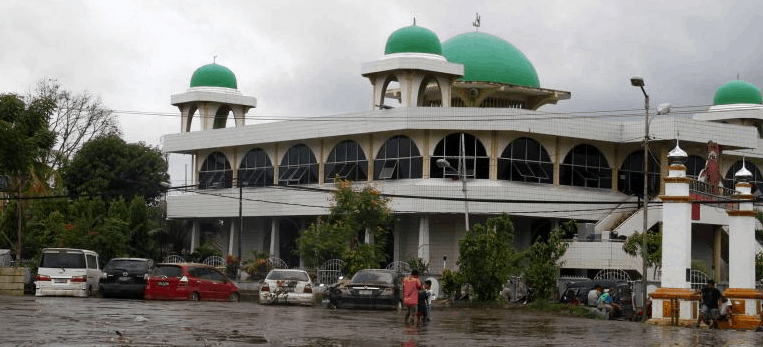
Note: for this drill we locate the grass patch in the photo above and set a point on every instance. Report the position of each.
(564, 309)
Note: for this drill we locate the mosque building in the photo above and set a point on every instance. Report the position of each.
(449, 120)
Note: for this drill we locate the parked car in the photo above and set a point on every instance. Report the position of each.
(369, 288)
(67, 272)
(125, 277)
(189, 281)
(287, 286)
(577, 293)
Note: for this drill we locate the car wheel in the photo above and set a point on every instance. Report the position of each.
(194, 296)
(234, 297)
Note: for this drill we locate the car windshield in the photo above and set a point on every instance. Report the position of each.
(124, 264)
(287, 276)
(63, 260)
(372, 277)
(167, 271)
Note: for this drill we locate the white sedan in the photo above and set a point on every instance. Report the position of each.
(287, 286)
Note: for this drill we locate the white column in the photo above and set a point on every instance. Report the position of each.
(676, 230)
(396, 241)
(231, 235)
(274, 238)
(742, 241)
(369, 237)
(424, 238)
(195, 232)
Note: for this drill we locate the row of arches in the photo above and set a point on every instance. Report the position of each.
(524, 159)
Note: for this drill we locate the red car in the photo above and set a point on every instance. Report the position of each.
(189, 282)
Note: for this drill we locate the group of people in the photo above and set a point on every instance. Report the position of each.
(714, 307)
(604, 300)
(417, 298)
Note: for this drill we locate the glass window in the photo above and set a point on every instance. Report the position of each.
(168, 271)
(525, 160)
(476, 160)
(398, 158)
(630, 178)
(585, 166)
(298, 167)
(215, 172)
(347, 161)
(256, 170)
(756, 180)
(66, 260)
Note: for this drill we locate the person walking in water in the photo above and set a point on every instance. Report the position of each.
(708, 311)
(411, 287)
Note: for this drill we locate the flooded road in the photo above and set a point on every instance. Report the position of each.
(31, 321)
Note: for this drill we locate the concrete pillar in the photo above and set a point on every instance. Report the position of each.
(369, 239)
(675, 292)
(744, 298)
(195, 235)
(423, 252)
(274, 238)
(717, 260)
(396, 242)
(231, 235)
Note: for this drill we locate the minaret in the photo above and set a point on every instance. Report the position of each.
(745, 299)
(671, 302)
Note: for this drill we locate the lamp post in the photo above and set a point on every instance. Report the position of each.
(443, 163)
(637, 81)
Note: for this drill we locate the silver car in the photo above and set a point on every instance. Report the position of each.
(287, 286)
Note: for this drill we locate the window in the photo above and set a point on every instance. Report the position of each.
(347, 161)
(525, 160)
(64, 260)
(256, 170)
(630, 178)
(756, 179)
(452, 148)
(168, 271)
(92, 261)
(215, 172)
(398, 158)
(585, 166)
(694, 165)
(298, 167)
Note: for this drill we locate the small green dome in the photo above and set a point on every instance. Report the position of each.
(737, 92)
(214, 75)
(413, 39)
(488, 58)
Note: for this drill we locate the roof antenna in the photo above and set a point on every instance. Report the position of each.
(476, 22)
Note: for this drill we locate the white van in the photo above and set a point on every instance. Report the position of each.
(67, 272)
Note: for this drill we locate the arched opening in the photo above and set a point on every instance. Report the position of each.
(255, 170)
(224, 118)
(501, 103)
(346, 161)
(398, 158)
(193, 124)
(453, 148)
(694, 165)
(730, 181)
(215, 172)
(288, 233)
(540, 229)
(457, 102)
(390, 96)
(630, 178)
(298, 166)
(525, 160)
(585, 166)
(430, 94)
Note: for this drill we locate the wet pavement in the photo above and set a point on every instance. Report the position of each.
(32, 321)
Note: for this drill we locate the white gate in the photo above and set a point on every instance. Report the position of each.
(612, 274)
(399, 266)
(698, 279)
(330, 271)
(173, 259)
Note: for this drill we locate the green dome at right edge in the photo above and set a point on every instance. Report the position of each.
(737, 92)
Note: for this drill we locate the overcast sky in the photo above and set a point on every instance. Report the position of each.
(302, 58)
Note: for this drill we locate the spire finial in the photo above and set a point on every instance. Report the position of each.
(214, 59)
(476, 22)
(414, 21)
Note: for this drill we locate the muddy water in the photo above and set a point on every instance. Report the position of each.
(30, 321)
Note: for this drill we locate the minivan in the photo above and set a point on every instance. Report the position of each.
(67, 272)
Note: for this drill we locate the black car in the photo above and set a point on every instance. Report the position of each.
(125, 277)
(369, 288)
(577, 293)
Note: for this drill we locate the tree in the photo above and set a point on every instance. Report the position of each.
(353, 215)
(25, 140)
(632, 247)
(76, 119)
(487, 257)
(543, 258)
(110, 167)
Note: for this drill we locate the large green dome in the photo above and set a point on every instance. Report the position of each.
(413, 39)
(214, 75)
(487, 58)
(737, 92)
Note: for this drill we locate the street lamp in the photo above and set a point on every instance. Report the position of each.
(637, 81)
(443, 163)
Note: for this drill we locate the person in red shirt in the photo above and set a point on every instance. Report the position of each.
(411, 287)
